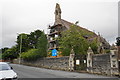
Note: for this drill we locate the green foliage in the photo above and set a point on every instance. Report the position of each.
(31, 45)
(23, 42)
(76, 38)
(118, 41)
(65, 51)
(30, 55)
(42, 45)
(3, 49)
(33, 38)
(0, 55)
(28, 41)
(10, 53)
(41, 51)
(73, 38)
(94, 46)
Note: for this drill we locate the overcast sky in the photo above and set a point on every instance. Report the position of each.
(25, 16)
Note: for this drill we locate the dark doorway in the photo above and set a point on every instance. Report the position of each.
(119, 66)
(80, 62)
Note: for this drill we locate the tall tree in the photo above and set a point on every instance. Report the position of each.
(10, 53)
(26, 42)
(40, 51)
(22, 42)
(33, 38)
(2, 50)
(78, 39)
(72, 38)
(42, 45)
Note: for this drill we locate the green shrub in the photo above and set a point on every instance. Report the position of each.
(0, 55)
(94, 46)
(10, 54)
(66, 51)
(107, 51)
(32, 54)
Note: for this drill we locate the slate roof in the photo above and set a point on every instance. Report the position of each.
(68, 24)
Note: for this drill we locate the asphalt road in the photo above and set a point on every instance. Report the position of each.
(34, 72)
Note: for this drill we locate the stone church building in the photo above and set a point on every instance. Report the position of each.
(62, 25)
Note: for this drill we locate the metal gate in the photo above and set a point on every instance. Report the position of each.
(80, 62)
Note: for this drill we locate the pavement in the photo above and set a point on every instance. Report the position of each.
(34, 72)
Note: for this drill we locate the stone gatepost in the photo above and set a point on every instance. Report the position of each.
(89, 60)
(114, 61)
(71, 60)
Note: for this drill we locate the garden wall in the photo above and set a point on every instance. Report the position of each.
(60, 63)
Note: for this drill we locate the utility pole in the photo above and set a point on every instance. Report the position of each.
(20, 48)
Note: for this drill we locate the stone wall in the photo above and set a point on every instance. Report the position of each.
(101, 63)
(61, 63)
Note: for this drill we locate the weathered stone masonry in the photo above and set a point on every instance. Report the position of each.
(103, 63)
(60, 63)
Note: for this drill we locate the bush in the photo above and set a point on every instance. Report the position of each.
(32, 54)
(94, 46)
(66, 51)
(0, 55)
(10, 53)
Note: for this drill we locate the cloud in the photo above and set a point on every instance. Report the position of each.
(25, 16)
(0, 26)
(119, 19)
